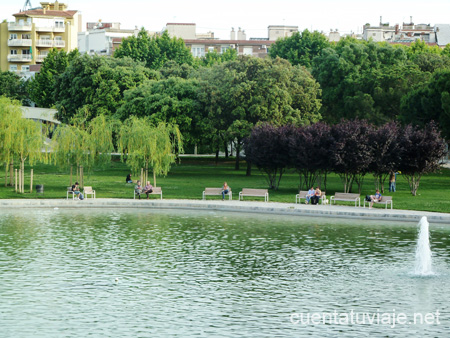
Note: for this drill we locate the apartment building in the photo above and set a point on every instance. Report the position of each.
(99, 37)
(27, 40)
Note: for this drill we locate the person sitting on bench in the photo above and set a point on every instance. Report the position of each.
(128, 179)
(138, 189)
(148, 189)
(76, 191)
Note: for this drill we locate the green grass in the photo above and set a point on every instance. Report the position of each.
(188, 179)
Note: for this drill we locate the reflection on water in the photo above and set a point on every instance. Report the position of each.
(67, 273)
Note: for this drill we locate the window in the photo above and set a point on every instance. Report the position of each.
(25, 68)
(59, 23)
(13, 52)
(26, 36)
(45, 37)
(13, 68)
(58, 38)
(26, 51)
(211, 49)
(248, 50)
(223, 49)
(12, 36)
(198, 51)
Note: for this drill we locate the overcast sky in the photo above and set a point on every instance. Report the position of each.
(251, 15)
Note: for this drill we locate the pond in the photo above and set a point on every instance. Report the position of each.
(147, 273)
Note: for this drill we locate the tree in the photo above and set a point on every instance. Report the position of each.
(268, 148)
(421, 151)
(352, 154)
(85, 145)
(13, 87)
(299, 48)
(236, 95)
(42, 86)
(19, 137)
(154, 51)
(429, 103)
(385, 152)
(145, 145)
(311, 150)
(95, 84)
(214, 57)
(172, 100)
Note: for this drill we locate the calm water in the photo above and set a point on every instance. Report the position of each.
(188, 274)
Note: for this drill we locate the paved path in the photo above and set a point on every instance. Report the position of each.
(334, 211)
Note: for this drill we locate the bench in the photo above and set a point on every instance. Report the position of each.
(88, 191)
(384, 200)
(254, 193)
(156, 191)
(215, 192)
(302, 195)
(70, 192)
(346, 197)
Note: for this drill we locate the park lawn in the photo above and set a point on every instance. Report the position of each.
(188, 179)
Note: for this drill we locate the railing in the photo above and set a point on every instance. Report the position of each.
(19, 42)
(44, 29)
(44, 43)
(15, 26)
(59, 29)
(20, 57)
(59, 43)
(41, 57)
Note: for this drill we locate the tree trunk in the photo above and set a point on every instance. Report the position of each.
(31, 181)
(11, 173)
(217, 156)
(154, 178)
(15, 179)
(226, 148)
(249, 169)
(71, 171)
(238, 150)
(6, 174)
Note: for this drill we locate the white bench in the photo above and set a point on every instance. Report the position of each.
(346, 197)
(302, 195)
(254, 193)
(88, 191)
(156, 191)
(70, 192)
(384, 200)
(216, 192)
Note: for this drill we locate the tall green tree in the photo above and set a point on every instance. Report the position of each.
(145, 145)
(42, 86)
(96, 84)
(300, 48)
(13, 87)
(172, 100)
(237, 95)
(154, 51)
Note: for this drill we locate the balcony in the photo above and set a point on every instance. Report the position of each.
(59, 29)
(41, 57)
(22, 27)
(59, 43)
(19, 43)
(44, 43)
(44, 29)
(20, 58)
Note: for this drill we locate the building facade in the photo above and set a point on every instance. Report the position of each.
(28, 40)
(99, 37)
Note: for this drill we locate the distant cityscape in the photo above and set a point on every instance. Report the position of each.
(25, 43)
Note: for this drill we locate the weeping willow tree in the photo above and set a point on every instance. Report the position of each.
(10, 117)
(85, 146)
(149, 146)
(20, 138)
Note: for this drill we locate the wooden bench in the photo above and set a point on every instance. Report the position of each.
(302, 195)
(346, 197)
(156, 191)
(215, 192)
(384, 200)
(254, 193)
(88, 191)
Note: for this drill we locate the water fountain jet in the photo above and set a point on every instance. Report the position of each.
(423, 251)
